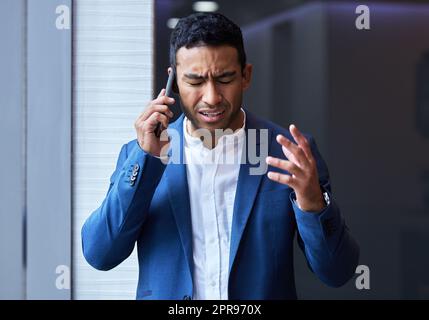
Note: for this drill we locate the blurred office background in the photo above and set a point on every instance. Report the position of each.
(69, 98)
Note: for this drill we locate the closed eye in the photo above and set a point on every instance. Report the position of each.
(194, 84)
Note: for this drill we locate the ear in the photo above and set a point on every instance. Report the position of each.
(247, 76)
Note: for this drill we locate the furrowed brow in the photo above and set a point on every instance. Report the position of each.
(193, 76)
(225, 74)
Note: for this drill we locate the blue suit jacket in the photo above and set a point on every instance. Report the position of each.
(154, 210)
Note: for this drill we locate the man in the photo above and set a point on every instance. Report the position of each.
(206, 229)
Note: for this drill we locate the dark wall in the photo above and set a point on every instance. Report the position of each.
(377, 155)
(356, 92)
(289, 55)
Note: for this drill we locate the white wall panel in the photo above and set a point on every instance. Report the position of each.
(112, 84)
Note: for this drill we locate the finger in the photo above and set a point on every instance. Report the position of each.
(299, 157)
(301, 140)
(154, 119)
(284, 165)
(163, 100)
(162, 109)
(157, 108)
(281, 178)
(161, 118)
(289, 155)
(161, 93)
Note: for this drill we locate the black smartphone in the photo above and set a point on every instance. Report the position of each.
(168, 89)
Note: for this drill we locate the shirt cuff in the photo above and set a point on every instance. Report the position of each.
(164, 159)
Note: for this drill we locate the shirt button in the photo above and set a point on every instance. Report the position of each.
(213, 284)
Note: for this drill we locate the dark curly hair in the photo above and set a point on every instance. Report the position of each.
(206, 29)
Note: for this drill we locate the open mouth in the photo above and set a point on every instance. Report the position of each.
(211, 116)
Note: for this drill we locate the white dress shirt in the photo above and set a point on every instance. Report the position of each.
(212, 181)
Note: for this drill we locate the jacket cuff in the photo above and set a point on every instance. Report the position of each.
(321, 228)
(142, 164)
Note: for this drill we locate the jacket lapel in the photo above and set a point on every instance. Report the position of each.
(247, 185)
(177, 181)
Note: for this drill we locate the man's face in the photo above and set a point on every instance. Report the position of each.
(211, 86)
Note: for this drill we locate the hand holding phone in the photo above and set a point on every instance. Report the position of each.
(154, 119)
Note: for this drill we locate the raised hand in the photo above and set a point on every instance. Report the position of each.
(302, 173)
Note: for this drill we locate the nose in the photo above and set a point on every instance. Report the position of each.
(211, 94)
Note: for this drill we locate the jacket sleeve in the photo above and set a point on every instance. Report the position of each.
(331, 251)
(110, 232)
